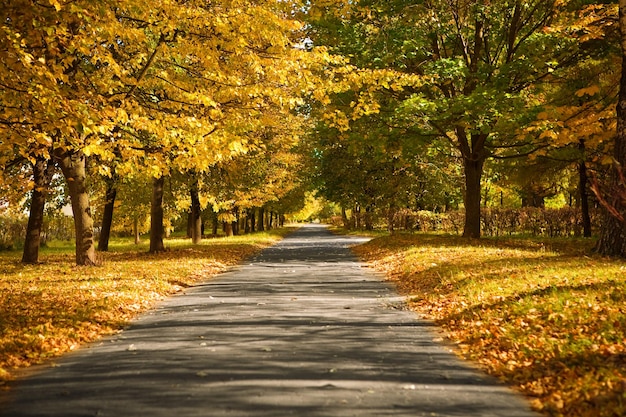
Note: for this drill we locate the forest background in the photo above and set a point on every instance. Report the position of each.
(205, 118)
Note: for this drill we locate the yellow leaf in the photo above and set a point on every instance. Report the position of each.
(548, 134)
(589, 91)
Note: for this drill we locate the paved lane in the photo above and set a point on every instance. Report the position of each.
(303, 329)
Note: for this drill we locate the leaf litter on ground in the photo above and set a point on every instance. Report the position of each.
(54, 307)
(545, 316)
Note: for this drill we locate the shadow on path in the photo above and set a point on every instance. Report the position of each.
(302, 329)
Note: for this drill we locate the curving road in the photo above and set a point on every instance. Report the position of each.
(302, 329)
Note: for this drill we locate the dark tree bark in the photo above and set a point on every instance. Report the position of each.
(612, 240)
(261, 219)
(584, 196)
(473, 175)
(246, 229)
(107, 216)
(74, 167)
(237, 222)
(157, 231)
(252, 221)
(43, 170)
(196, 215)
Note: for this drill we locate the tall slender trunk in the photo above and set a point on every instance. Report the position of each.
(196, 215)
(215, 225)
(43, 170)
(252, 221)
(136, 230)
(246, 229)
(107, 216)
(261, 219)
(584, 196)
(157, 231)
(74, 167)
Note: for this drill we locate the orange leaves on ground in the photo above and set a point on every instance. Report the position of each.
(550, 322)
(52, 308)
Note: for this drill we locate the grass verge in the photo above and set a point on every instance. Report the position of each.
(53, 307)
(544, 316)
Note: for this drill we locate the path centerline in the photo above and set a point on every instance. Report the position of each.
(301, 329)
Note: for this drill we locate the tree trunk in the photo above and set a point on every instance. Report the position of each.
(43, 170)
(246, 227)
(584, 197)
(261, 219)
(228, 228)
(215, 225)
(157, 231)
(236, 222)
(473, 175)
(344, 218)
(74, 168)
(612, 240)
(136, 230)
(107, 216)
(196, 215)
(252, 221)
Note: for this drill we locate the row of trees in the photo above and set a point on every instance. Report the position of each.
(428, 104)
(119, 93)
(502, 92)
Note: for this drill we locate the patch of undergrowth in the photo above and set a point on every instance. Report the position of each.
(546, 316)
(53, 307)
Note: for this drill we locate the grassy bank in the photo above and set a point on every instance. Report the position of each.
(545, 316)
(52, 308)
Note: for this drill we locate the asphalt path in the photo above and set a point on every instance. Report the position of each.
(302, 329)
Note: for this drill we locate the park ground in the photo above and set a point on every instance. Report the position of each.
(547, 317)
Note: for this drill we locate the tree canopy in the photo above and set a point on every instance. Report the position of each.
(381, 105)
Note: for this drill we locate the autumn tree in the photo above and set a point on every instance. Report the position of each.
(52, 65)
(174, 87)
